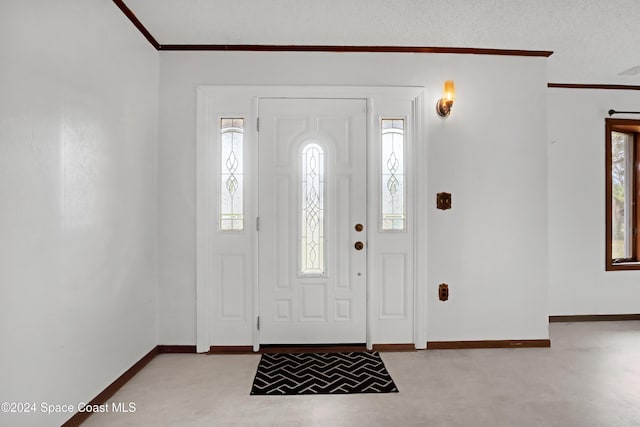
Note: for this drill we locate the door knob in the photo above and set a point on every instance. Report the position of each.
(359, 246)
(359, 227)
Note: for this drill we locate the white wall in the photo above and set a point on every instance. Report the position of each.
(491, 154)
(578, 282)
(78, 148)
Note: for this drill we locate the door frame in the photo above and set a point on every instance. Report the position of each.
(211, 100)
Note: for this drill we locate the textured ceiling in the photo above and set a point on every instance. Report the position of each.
(593, 40)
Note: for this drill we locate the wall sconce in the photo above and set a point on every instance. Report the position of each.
(443, 107)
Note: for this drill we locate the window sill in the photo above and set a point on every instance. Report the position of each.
(625, 265)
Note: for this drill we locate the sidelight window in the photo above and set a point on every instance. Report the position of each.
(231, 176)
(393, 175)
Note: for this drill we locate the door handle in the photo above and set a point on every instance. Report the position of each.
(359, 246)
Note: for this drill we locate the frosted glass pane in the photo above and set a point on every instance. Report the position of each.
(312, 210)
(393, 176)
(231, 175)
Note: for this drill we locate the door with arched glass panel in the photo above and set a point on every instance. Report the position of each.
(312, 221)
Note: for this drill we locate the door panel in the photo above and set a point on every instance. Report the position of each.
(312, 193)
(391, 252)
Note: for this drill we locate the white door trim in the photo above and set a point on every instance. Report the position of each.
(215, 100)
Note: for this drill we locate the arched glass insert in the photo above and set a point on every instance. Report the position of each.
(231, 174)
(393, 188)
(312, 210)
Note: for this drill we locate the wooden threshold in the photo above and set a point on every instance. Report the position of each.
(231, 349)
(458, 345)
(247, 349)
(594, 318)
(394, 347)
(163, 349)
(312, 348)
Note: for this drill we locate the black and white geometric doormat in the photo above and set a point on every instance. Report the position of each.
(322, 373)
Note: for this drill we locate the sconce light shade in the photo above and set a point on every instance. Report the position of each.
(443, 107)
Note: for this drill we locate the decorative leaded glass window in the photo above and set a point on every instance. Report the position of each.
(231, 175)
(393, 184)
(312, 210)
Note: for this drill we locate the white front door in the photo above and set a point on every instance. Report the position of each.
(312, 207)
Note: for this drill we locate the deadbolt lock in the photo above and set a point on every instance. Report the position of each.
(359, 246)
(359, 227)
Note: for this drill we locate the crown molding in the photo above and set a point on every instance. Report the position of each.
(592, 86)
(319, 48)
